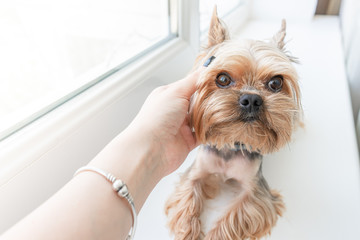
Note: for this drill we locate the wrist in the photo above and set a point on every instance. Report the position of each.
(134, 158)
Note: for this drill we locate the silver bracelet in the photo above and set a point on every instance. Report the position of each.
(122, 190)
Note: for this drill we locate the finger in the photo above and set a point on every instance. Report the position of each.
(196, 141)
(188, 135)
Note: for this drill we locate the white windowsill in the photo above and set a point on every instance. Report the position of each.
(26, 146)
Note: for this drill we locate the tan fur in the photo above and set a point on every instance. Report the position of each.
(252, 64)
(194, 186)
(217, 120)
(217, 31)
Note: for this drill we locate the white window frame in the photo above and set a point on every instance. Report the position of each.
(40, 158)
(61, 122)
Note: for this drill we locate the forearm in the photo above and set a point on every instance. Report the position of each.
(154, 145)
(87, 207)
(135, 160)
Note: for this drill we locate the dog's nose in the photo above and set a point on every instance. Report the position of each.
(251, 103)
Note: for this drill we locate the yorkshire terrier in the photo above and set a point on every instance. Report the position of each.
(247, 104)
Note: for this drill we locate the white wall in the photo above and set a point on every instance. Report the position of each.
(291, 10)
(350, 23)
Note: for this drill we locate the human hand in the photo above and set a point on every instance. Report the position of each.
(163, 122)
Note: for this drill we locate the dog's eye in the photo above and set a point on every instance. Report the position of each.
(223, 80)
(275, 83)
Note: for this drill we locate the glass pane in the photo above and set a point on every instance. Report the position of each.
(51, 48)
(224, 7)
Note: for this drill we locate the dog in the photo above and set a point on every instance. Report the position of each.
(247, 104)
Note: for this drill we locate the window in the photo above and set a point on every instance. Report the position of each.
(53, 50)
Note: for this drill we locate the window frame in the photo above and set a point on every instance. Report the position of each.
(50, 106)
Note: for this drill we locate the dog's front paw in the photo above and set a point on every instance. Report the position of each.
(251, 217)
(183, 210)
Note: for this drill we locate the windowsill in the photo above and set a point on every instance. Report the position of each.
(27, 145)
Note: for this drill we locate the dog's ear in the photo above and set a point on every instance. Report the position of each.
(279, 37)
(217, 31)
(278, 40)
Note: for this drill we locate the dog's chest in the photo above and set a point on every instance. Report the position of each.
(228, 164)
(215, 208)
(234, 172)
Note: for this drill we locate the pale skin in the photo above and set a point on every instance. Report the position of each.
(154, 145)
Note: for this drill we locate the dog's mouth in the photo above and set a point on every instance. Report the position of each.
(249, 117)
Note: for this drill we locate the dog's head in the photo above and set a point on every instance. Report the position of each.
(247, 94)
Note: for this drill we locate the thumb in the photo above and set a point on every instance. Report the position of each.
(187, 86)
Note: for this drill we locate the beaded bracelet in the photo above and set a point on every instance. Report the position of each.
(122, 190)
